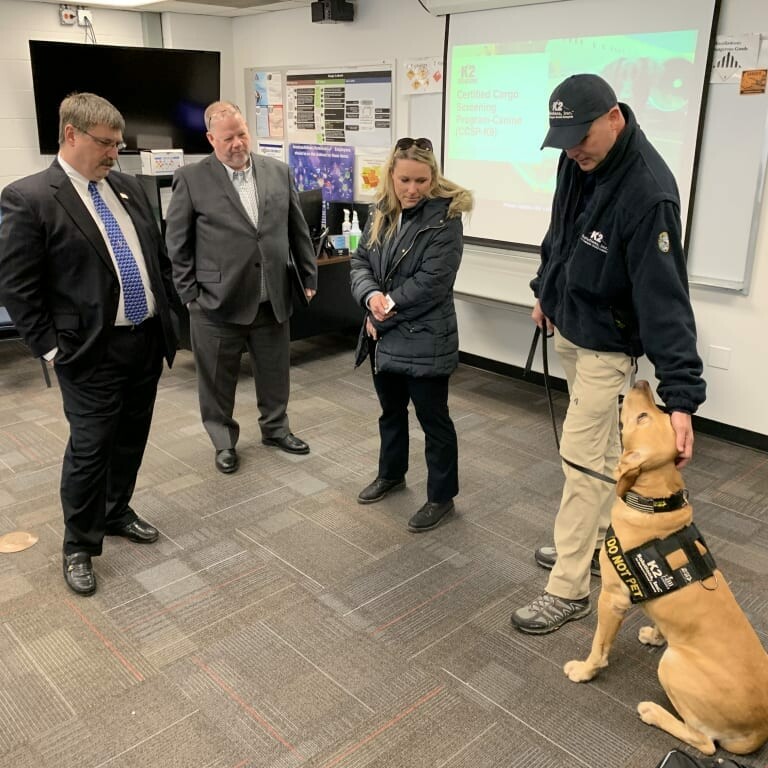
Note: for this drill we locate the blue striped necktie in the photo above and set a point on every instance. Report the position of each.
(134, 297)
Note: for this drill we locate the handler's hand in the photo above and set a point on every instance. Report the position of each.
(370, 328)
(541, 319)
(681, 423)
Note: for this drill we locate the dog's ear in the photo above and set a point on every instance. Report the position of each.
(628, 471)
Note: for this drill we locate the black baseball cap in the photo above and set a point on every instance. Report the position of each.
(573, 106)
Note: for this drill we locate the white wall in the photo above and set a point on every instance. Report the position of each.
(22, 22)
(383, 30)
(203, 33)
(400, 29)
(397, 30)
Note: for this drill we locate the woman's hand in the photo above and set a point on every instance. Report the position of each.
(378, 305)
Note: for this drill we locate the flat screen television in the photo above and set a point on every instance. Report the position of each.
(161, 92)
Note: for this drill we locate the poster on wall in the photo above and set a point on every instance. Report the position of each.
(265, 111)
(351, 107)
(424, 75)
(323, 166)
(275, 149)
(368, 170)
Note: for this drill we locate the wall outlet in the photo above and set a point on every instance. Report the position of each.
(67, 15)
(84, 17)
(719, 357)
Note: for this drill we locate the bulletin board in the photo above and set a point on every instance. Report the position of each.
(325, 116)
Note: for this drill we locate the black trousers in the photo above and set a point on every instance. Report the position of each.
(429, 396)
(109, 415)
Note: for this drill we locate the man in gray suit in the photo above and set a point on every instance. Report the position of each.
(232, 221)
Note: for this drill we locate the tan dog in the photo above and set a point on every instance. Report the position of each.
(714, 669)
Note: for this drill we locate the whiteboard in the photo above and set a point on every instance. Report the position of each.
(730, 178)
(729, 189)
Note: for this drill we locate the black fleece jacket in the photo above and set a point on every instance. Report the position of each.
(612, 276)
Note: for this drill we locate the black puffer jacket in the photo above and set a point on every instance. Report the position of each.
(612, 276)
(417, 268)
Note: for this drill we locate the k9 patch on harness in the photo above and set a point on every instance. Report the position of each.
(645, 571)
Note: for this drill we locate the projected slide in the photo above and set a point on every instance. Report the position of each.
(497, 116)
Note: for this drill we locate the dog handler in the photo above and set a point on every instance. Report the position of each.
(612, 285)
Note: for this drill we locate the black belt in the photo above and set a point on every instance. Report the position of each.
(144, 325)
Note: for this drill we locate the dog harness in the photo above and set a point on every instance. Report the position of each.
(644, 569)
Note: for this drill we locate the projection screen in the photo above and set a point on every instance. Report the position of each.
(503, 64)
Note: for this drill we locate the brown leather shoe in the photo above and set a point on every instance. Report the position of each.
(138, 530)
(78, 573)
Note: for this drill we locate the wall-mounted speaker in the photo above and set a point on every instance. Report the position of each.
(331, 11)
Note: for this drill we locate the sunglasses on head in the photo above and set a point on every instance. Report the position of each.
(407, 142)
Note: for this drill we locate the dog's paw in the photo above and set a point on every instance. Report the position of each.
(648, 711)
(579, 671)
(650, 636)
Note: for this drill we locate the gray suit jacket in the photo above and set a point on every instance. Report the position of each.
(216, 252)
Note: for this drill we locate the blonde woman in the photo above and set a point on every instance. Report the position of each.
(403, 274)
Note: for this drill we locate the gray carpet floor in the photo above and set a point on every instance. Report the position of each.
(279, 623)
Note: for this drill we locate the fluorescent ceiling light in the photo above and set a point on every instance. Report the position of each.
(118, 3)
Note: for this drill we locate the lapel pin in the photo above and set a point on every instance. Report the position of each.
(123, 195)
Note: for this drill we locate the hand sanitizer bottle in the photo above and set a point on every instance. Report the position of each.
(346, 226)
(354, 232)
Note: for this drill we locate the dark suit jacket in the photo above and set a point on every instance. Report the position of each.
(57, 279)
(217, 254)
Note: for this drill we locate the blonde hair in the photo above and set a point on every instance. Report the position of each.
(388, 208)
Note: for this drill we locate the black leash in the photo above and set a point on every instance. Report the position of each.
(547, 387)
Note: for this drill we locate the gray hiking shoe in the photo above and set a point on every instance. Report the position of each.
(546, 557)
(547, 613)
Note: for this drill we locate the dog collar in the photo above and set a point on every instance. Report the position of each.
(677, 500)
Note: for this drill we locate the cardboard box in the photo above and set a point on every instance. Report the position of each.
(161, 162)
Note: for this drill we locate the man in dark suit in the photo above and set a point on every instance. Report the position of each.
(233, 219)
(86, 279)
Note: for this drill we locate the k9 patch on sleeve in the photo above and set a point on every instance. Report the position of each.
(663, 242)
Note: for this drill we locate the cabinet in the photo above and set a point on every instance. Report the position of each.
(333, 309)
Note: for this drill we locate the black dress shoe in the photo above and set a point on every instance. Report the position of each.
(139, 531)
(378, 489)
(227, 460)
(429, 516)
(290, 443)
(78, 573)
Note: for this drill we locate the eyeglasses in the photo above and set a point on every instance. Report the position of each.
(407, 142)
(106, 143)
